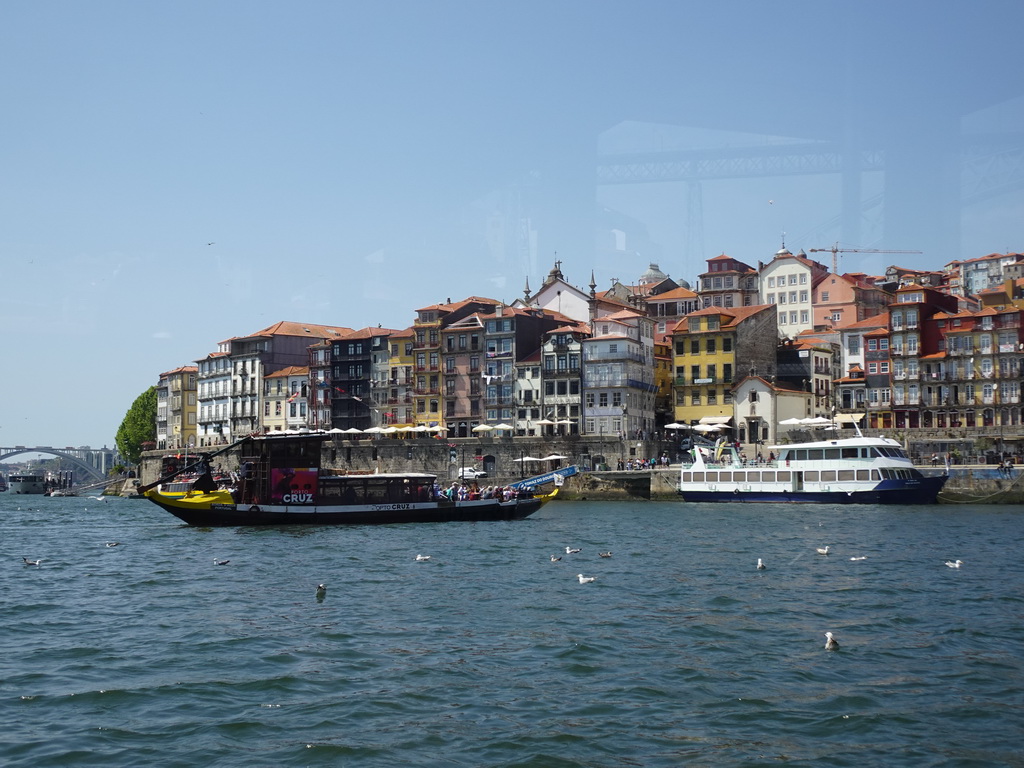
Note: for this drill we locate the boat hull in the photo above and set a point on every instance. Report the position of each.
(923, 490)
(217, 509)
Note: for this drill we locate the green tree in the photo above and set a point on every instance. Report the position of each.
(138, 426)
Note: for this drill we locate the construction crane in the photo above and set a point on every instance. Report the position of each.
(835, 250)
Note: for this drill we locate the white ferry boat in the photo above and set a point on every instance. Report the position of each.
(26, 483)
(855, 470)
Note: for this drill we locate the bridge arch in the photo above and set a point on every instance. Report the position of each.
(85, 470)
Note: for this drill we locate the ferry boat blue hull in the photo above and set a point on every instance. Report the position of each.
(923, 490)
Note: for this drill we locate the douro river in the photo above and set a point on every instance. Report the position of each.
(132, 643)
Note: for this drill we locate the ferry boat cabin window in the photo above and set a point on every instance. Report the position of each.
(828, 476)
(832, 453)
(801, 454)
(850, 453)
(785, 477)
(811, 476)
(725, 477)
(698, 477)
(739, 477)
(863, 474)
(846, 474)
(767, 477)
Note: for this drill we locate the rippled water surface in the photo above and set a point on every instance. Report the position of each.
(489, 654)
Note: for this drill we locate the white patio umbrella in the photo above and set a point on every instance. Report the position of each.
(790, 422)
(817, 421)
(435, 428)
(565, 421)
(675, 425)
(420, 428)
(388, 430)
(482, 428)
(526, 458)
(351, 431)
(553, 457)
(339, 431)
(706, 428)
(544, 422)
(503, 426)
(372, 430)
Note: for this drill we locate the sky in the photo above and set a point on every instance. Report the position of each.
(175, 174)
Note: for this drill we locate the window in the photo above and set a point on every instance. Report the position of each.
(771, 282)
(727, 344)
(803, 278)
(872, 368)
(883, 367)
(792, 297)
(712, 346)
(883, 344)
(792, 317)
(782, 318)
(803, 297)
(792, 279)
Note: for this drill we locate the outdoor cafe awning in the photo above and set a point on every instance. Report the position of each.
(848, 418)
(716, 419)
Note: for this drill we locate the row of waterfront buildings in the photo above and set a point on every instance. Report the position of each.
(750, 348)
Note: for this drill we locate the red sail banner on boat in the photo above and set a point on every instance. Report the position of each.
(293, 485)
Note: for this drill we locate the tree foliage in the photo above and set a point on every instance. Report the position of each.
(138, 426)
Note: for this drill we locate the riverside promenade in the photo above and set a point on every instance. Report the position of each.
(506, 460)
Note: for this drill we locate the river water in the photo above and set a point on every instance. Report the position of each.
(489, 654)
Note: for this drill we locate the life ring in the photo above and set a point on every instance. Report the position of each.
(736, 491)
(255, 509)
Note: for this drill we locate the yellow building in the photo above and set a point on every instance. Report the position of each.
(176, 407)
(397, 404)
(716, 347)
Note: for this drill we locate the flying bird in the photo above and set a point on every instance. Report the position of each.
(760, 564)
(570, 551)
(421, 558)
(823, 550)
(830, 642)
(585, 579)
(954, 564)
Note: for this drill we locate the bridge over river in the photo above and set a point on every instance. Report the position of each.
(88, 464)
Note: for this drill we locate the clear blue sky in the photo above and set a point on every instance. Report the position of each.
(351, 162)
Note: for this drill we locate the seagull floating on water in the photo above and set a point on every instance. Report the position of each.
(421, 558)
(321, 590)
(99, 498)
(855, 559)
(571, 551)
(605, 554)
(954, 564)
(113, 543)
(32, 562)
(585, 579)
(220, 562)
(555, 559)
(760, 565)
(823, 550)
(830, 642)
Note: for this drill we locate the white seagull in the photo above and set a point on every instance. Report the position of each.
(555, 559)
(571, 551)
(823, 550)
(954, 564)
(760, 565)
(605, 554)
(855, 559)
(830, 642)
(32, 562)
(99, 498)
(421, 558)
(220, 562)
(585, 579)
(321, 590)
(113, 543)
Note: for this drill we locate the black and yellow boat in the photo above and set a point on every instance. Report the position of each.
(280, 482)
